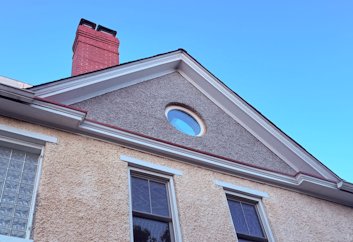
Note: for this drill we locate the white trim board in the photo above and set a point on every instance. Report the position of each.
(303, 183)
(241, 189)
(26, 135)
(150, 166)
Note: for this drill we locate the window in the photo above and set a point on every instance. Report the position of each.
(247, 212)
(18, 177)
(185, 120)
(246, 220)
(153, 214)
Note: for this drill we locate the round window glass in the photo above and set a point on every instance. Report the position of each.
(184, 121)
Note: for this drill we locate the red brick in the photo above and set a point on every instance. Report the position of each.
(93, 50)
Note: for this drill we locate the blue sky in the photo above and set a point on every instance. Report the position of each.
(292, 60)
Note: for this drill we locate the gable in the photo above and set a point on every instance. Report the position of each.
(141, 108)
(47, 105)
(83, 87)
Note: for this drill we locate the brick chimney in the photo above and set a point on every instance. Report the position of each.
(94, 48)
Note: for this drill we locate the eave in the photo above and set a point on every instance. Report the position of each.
(68, 119)
(47, 105)
(76, 89)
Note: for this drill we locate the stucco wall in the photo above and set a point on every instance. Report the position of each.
(141, 108)
(83, 196)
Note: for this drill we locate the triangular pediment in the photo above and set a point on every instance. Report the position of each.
(252, 139)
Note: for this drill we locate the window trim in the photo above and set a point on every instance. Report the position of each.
(176, 232)
(195, 116)
(28, 147)
(252, 196)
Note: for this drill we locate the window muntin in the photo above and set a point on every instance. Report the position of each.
(185, 120)
(18, 172)
(246, 219)
(152, 220)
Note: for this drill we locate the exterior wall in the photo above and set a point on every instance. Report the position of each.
(83, 196)
(141, 108)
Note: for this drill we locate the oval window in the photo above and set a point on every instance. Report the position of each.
(185, 121)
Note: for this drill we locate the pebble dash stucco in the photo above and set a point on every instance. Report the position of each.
(141, 108)
(83, 196)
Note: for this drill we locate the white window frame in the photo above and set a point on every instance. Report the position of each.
(175, 234)
(27, 141)
(236, 191)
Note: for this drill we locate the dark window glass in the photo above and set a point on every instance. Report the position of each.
(159, 199)
(150, 209)
(252, 220)
(183, 122)
(147, 230)
(140, 195)
(246, 221)
(238, 217)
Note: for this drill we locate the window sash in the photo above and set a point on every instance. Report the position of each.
(160, 178)
(251, 238)
(243, 200)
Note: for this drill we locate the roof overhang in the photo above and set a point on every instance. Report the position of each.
(34, 106)
(76, 89)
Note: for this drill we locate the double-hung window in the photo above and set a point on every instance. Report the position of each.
(247, 212)
(151, 213)
(246, 219)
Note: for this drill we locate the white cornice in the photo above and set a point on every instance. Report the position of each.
(87, 86)
(303, 183)
(26, 135)
(345, 186)
(79, 88)
(21, 104)
(270, 138)
(59, 110)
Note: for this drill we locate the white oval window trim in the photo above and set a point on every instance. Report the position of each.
(198, 120)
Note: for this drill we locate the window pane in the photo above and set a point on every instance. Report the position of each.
(18, 155)
(5, 152)
(159, 199)
(140, 195)
(184, 122)
(238, 217)
(252, 220)
(146, 230)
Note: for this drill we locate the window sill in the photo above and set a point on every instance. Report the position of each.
(4, 238)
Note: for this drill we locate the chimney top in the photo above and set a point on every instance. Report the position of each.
(94, 48)
(101, 28)
(87, 23)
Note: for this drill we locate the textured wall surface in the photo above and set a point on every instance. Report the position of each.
(83, 196)
(141, 108)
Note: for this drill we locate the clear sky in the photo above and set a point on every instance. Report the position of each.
(292, 60)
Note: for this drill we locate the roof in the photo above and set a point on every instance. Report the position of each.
(50, 105)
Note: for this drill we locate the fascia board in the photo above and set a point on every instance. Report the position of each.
(16, 93)
(139, 70)
(59, 110)
(249, 118)
(302, 183)
(345, 186)
(41, 112)
(26, 135)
